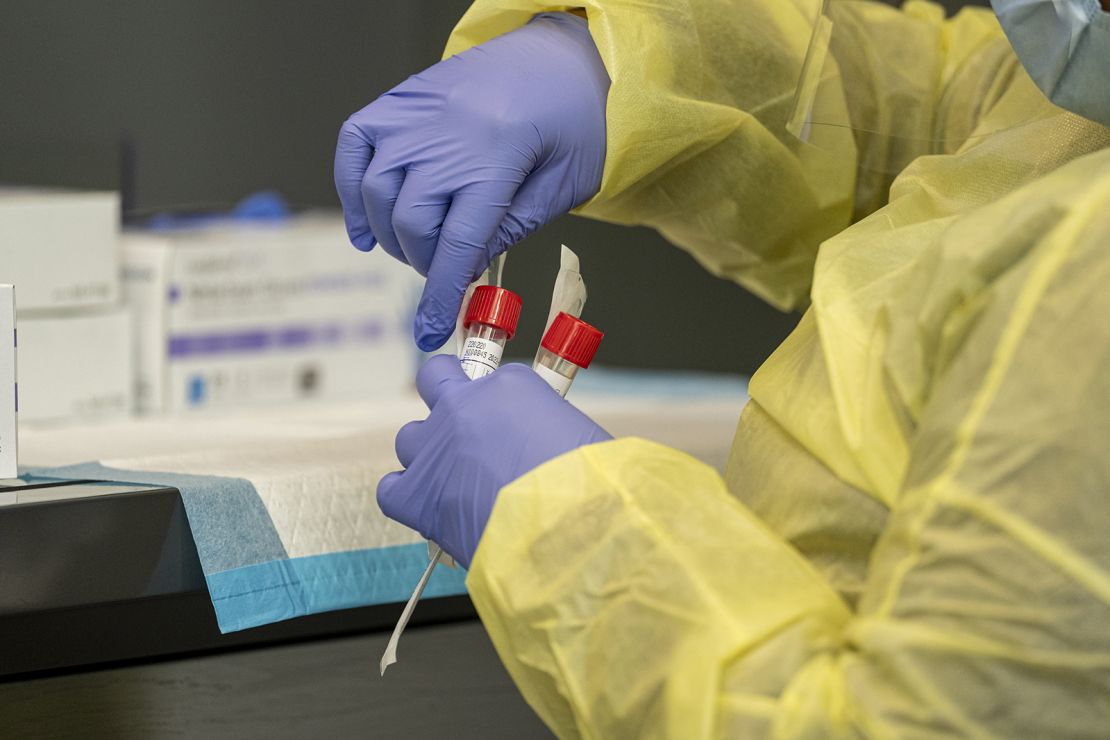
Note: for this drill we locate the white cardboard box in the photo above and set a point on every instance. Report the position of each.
(9, 433)
(76, 367)
(60, 248)
(238, 315)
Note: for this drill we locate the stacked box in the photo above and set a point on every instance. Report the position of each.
(60, 249)
(76, 367)
(9, 391)
(234, 315)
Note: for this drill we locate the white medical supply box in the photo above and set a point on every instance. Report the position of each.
(60, 248)
(241, 314)
(9, 398)
(76, 367)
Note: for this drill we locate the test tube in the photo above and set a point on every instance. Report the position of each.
(490, 322)
(568, 345)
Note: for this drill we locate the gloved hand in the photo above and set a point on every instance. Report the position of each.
(461, 161)
(480, 436)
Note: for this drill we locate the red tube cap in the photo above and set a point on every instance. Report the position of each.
(495, 307)
(572, 339)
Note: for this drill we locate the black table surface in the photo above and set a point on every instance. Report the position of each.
(448, 683)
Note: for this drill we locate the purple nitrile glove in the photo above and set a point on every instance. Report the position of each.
(480, 436)
(465, 159)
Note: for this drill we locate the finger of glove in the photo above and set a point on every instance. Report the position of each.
(395, 501)
(460, 257)
(438, 376)
(410, 440)
(353, 152)
(418, 220)
(380, 186)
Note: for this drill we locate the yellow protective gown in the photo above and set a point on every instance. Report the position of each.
(911, 539)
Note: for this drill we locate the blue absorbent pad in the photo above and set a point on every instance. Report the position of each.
(251, 578)
(283, 512)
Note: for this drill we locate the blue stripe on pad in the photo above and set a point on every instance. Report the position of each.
(251, 580)
(282, 589)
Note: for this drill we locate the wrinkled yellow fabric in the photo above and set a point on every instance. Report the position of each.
(910, 538)
(696, 145)
(701, 92)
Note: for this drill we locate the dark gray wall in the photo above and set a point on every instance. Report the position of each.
(221, 98)
(217, 99)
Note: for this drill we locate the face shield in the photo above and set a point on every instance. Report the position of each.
(878, 85)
